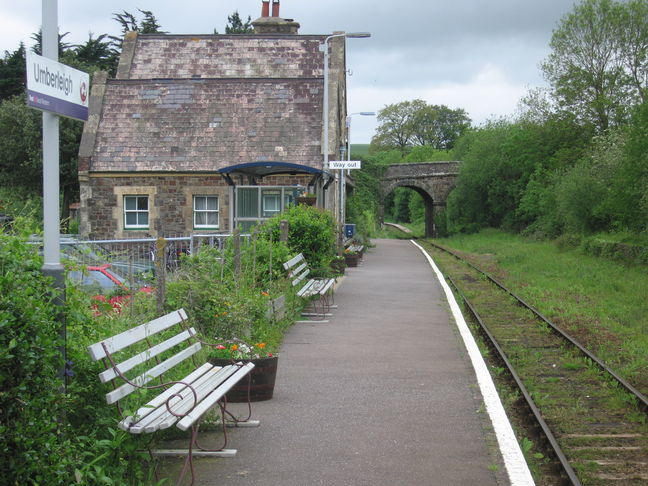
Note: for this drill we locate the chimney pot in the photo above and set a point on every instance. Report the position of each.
(275, 8)
(265, 8)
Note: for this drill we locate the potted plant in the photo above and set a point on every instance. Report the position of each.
(262, 375)
(338, 264)
(351, 258)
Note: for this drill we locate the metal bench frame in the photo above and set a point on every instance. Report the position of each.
(319, 288)
(182, 403)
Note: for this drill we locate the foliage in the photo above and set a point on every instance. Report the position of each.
(20, 150)
(12, 73)
(235, 25)
(627, 199)
(48, 436)
(415, 123)
(311, 231)
(597, 67)
(598, 300)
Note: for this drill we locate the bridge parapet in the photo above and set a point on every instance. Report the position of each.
(433, 180)
(422, 169)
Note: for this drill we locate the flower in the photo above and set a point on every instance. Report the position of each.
(237, 349)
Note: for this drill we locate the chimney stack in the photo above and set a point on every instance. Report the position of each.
(274, 24)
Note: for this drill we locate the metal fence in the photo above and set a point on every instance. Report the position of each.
(137, 256)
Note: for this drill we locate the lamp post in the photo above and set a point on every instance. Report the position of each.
(325, 116)
(343, 172)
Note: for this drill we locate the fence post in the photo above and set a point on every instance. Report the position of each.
(283, 231)
(160, 270)
(237, 252)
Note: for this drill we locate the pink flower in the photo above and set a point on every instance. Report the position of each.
(220, 346)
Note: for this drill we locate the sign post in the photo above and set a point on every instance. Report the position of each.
(56, 89)
(343, 165)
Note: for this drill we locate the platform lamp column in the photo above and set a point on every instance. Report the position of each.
(324, 47)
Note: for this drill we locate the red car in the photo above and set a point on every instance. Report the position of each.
(107, 284)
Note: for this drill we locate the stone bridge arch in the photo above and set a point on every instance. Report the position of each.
(432, 180)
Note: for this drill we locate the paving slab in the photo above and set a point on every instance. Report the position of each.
(381, 394)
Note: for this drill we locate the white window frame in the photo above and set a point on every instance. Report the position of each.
(137, 211)
(206, 211)
(285, 194)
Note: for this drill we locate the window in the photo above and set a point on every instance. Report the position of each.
(136, 212)
(271, 202)
(205, 212)
(258, 203)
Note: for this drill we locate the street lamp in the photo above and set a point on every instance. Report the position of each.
(343, 172)
(324, 48)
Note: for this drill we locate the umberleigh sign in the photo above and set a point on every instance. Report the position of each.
(55, 87)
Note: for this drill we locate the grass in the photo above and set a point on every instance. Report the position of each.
(359, 149)
(598, 301)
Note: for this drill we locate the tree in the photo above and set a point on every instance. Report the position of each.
(12, 73)
(20, 150)
(415, 123)
(438, 126)
(597, 67)
(98, 54)
(129, 23)
(236, 25)
(633, 47)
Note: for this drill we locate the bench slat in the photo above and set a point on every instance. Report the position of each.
(318, 286)
(136, 334)
(159, 418)
(154, 372)
(213, 397)
(298, 270)
(300, 277)
(293, 261)
(155, 403)
(111, 373)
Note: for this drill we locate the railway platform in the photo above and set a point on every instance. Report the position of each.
(386, 392)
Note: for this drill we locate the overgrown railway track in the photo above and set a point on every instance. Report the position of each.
(591, 424)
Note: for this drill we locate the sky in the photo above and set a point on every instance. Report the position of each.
(480, 56)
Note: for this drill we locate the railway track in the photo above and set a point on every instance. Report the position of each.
(592, 426)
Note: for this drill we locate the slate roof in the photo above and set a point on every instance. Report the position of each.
(202, 103)
(227, 56)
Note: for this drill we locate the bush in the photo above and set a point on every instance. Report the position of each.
(311, 231)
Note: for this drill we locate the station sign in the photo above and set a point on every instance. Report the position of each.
(344, 164)
(57, 88)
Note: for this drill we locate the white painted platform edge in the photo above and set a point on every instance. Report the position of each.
(516, 466)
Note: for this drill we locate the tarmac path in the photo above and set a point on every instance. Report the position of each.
(382, 394)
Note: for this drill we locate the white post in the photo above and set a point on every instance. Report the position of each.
(51, 213)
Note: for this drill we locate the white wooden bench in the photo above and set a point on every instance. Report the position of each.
(319, 289)
(145, 353)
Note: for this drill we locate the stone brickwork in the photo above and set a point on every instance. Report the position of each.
(432, 180)
(183, 107)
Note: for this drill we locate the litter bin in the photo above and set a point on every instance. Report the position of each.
(349, 230)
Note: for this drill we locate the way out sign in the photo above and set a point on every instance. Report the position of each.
(57, 88)
(344, 164)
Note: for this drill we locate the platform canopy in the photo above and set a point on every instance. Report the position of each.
(263, 169)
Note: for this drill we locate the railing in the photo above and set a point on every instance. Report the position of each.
(136, 256)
